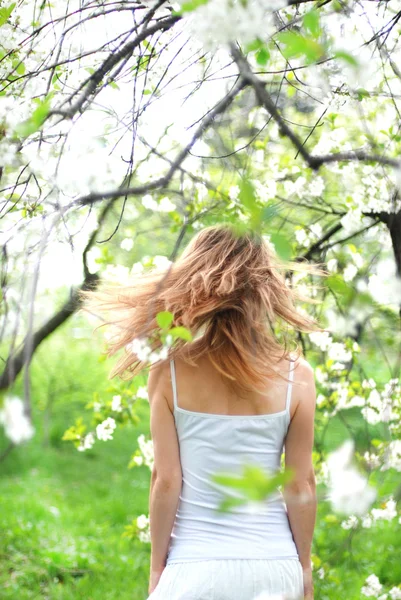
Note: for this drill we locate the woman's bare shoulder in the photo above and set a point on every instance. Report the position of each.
(303, 367)
(304, 378)
(159, 379)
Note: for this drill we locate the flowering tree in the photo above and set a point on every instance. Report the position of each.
(124, 118)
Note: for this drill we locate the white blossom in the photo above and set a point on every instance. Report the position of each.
(104, 430)
(384, 285)
(146, 448)
(302, 237)
(165, 205)
(321, 339)
(395, 593)
(17, 426)
(161, 262)
(349, 491)
(87, 442)
(338, 351)
(140, 348)
(372, 586)
(388, 513)
(321, 375)
(143, 524)
(349, 272)
(372, 460)
(142, 393)
(316, 187)
(350, 523)
(354, 221)
(316, 229)
(367, 522)
(149, 203)
(233, 192)
(116, 404)
(127, 244)
(225, 21)
(392, 456)
(144, 537)
(332, 265)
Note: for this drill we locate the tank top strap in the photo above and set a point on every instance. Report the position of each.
(173, 382)
(289, 390)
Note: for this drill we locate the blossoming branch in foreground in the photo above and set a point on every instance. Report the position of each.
(349, 491)
(220, 22)
(17, 426)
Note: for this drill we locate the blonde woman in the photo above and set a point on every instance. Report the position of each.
(235, 395)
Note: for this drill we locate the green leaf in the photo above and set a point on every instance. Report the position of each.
(190, 6)
(182, 333)
(21, 68)
(347, 57)
(311, 22)
(362, 93)
(254, 485)
(35, 122)
(254, 45)
(5, 14)
(247, 198)
(282, 245)
(337, 284)
(262, 56)
(298, 45)
(247, 194)
(164, 319)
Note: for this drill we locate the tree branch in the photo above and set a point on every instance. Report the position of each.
(163, 181)
(111, 61)
(314, 162)
(15, 363)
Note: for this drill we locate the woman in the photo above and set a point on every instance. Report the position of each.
(234, 395)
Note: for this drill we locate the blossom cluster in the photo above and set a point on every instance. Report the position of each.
(104, 432)
(144, 454)
(220, 22)
(17, 426)
(143, 525)
(387, 513)
(373, 588)
(349, 491)
(140, 347)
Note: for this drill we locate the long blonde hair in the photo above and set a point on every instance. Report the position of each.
(227, 290)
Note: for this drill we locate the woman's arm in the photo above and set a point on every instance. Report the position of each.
(166, 475)
(300, 493)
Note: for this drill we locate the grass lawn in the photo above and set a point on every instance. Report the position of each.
(62, 514)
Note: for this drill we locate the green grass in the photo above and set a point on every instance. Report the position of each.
(63, 512)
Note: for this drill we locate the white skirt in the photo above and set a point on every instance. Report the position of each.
(231, 579)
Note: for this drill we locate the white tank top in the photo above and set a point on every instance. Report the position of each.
(212, 443)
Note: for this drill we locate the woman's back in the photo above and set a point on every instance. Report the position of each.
(220, 433)
(225, 298)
